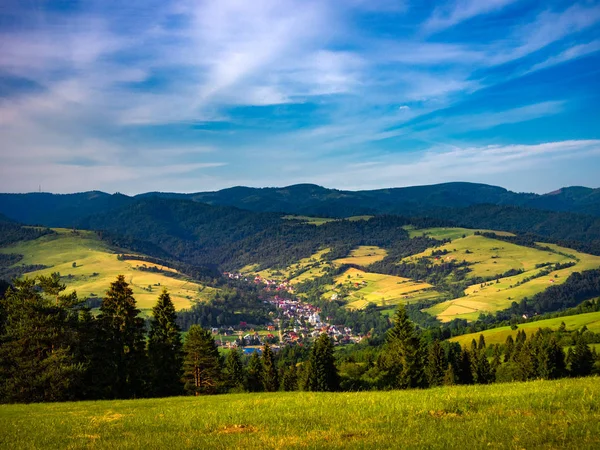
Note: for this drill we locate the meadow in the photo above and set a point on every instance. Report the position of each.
(499, 335)
(488, 257)
(538, 414)
(97, 265)
(383, 290)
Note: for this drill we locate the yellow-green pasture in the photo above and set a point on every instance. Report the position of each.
(97, 266)
(310, 220)
(363, 255)
(447, 232)
(383, 290)
(499, 335)
(488, 257)
(312, 267)
(534, 415)
(495, 296)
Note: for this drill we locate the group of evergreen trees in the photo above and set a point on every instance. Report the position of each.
(52, 348)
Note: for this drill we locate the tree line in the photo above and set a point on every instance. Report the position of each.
(53, 349)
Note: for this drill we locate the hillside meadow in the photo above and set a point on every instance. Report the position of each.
(539, 414)
(499, 335)
(97, 265)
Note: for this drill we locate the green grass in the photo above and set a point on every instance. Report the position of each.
(499, 335)
(363, 255)
(488, 257)
(539, 414)
(60, 250)
(383, 290)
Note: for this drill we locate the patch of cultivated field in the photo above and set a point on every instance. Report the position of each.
(311, 267)
(363, 256)
(447, 232)
(96, 266)
(489, 257)
(383, 290)
(311, 220)
(499, 335)
(537, 414)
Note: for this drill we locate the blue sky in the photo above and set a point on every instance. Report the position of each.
(352, 94)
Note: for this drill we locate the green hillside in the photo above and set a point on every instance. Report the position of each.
(97, 265)
(539, 414)
(499, 335)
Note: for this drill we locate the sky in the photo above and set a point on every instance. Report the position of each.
(188, 96)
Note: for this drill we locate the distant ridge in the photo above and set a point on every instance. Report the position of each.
(306, 199)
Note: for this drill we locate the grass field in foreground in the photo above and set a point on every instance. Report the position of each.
(59, 251)
(499, 335)
(539, 414)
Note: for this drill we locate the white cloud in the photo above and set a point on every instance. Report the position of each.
(460, 10)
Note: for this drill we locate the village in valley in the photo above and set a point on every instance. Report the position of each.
(295, 322)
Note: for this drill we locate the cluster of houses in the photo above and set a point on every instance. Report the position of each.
(296, 322)
(270, 284)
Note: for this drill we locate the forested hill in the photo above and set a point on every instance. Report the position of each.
(315, 200)
(202, 234)
(306, 199)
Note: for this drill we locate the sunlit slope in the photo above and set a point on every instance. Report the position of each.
(383, 290)
(96, 266)
(363, 255)
(499, 335)
(489, 257)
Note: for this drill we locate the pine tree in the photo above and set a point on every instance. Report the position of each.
(37, 357)
(551, 360)
(254, 374)
(290, 379)
(449, 376)
(321, 373)
(270, 380)
(481, 344)
(465, 374)
(406, 354)
(496, 362)
(234, 371)
(436, 364)
(509, 348)
(122, 364)
(580, 359)
(201, 363)
(165, 349)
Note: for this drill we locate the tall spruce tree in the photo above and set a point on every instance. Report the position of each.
(580, 359)
(290, 379)
(122, 365)
(437, 364)
(234, 371)
(254, 374)
(551, 360)
(270, 379)
(465, 373)
(405, 353)
(321, 372)
(37, 357)
(165, 354)
(201, 363)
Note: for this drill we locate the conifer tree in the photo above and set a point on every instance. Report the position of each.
(201, 363)
(122, 364)
(37, 360)
(290, 379)
(465, 374)
(321, 372)
(270, 379)
(509, 348)
(580, 359)
(234, 371)
(165, 349)
(496, 362)
(449, 376)
(551, 360)
(406, 355)
(436, 364)
(254, 374)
